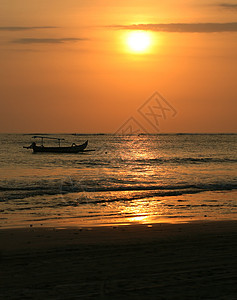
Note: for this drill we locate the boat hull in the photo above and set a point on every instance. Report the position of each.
(71, 149)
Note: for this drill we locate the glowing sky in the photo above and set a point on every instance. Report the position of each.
(70, 66)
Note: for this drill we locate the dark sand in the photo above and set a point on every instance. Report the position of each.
(165, 261)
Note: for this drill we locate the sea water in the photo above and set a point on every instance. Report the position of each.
(127, 179)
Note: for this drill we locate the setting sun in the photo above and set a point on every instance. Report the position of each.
(138, 41)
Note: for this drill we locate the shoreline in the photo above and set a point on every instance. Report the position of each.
(158, 261)
(15, 239)
(203, 206)
(93, 222)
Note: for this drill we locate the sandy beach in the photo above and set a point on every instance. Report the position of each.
(161, 261)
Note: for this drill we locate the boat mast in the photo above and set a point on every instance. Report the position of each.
(46, 137)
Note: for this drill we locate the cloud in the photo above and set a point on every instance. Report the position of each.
(46, 40)
(23, 28)
(228, 6)
(182, 27)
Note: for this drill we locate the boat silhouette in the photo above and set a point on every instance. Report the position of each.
(74, 148)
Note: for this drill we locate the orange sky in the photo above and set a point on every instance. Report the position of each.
(66, 65)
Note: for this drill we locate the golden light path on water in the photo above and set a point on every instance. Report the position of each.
(141, 210)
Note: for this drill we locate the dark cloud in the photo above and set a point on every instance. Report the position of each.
(182, 27)
(228, 6)
(23, 28)
(46, 40)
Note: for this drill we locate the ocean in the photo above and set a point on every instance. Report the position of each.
(127, 179)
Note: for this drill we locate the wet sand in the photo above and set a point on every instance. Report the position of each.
(183, 261)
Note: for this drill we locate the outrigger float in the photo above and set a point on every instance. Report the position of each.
(59, 149)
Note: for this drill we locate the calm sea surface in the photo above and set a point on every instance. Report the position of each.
(127, 179)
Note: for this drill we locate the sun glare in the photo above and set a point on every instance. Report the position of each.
(138, 41)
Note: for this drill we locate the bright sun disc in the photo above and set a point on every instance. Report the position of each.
(139, 41)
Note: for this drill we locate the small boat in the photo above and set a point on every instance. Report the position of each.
(59, 149)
